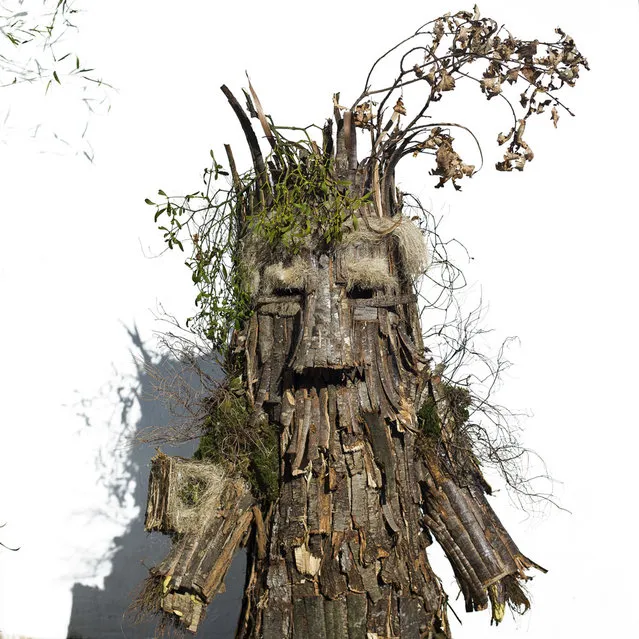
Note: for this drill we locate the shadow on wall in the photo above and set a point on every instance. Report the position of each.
(103, 613)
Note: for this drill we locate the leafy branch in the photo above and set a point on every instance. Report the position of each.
(35, 49)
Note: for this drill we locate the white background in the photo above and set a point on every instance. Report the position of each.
(554, 249)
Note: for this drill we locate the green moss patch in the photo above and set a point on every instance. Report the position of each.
(245, 448)
(428, 419)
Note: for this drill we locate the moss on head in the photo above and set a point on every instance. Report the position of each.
(306, 205)
(264, 466)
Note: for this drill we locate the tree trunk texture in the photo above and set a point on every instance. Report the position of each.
(341, 370)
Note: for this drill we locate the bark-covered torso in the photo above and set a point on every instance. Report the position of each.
(366, 467)
(337, 364)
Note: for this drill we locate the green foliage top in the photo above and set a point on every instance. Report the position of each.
(307, 202)
(300, 203)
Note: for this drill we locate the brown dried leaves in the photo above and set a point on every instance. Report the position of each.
(450, 166)
(363, 115)
(399, 107)
(446, 82)
(543, 67)
(519, 152)
(491, 86)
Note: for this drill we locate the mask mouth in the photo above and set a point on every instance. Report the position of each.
(360, 293)
(320, 377)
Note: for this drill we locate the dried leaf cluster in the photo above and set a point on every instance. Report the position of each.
(438, 56)
(449, 164)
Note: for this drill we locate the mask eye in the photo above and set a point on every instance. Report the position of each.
(359, 293)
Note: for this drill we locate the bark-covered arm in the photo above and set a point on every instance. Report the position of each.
(209, 514)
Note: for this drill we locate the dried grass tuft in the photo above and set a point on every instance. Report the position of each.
(286, 278)
(148, 601)
(264, 266)
(191, 490)
(361, 236)
(200, 488)
(147, 605)
(369, 272)
(407, 235)
(412, 247)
